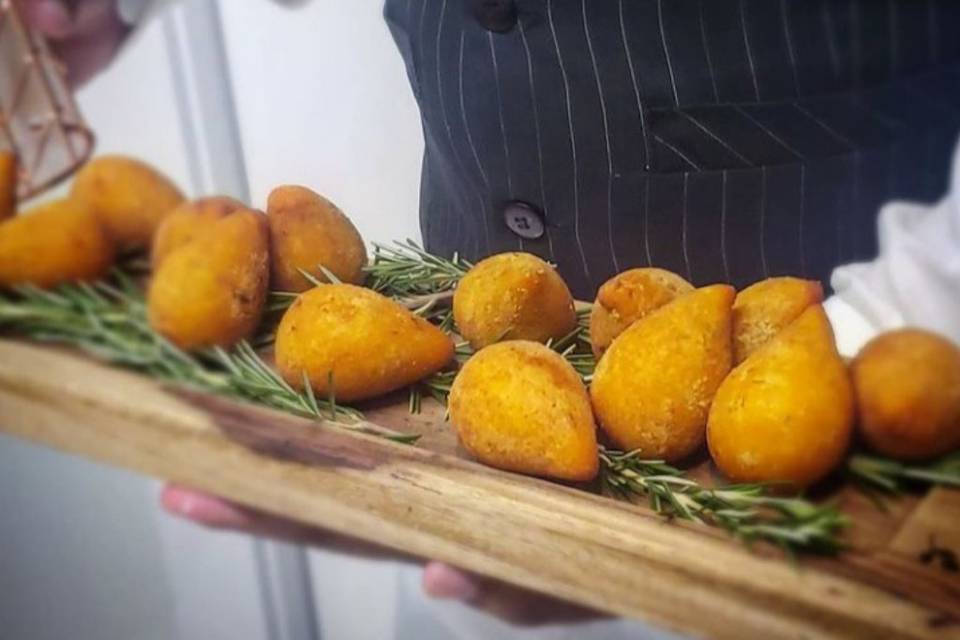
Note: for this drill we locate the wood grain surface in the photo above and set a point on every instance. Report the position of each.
(898, 580)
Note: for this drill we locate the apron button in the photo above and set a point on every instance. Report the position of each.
(498, 16)
(524, 220)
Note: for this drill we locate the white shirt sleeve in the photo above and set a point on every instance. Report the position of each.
(915, 279)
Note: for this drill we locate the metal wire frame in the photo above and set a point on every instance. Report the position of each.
(39, 119)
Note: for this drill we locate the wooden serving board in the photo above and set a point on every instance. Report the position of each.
(898, 580)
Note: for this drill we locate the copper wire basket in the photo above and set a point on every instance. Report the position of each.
(39, 119)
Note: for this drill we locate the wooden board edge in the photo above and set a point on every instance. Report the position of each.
(610, 556)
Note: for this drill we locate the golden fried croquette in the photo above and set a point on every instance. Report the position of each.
(212, 290)
(308, 231)
(518, 405)
(785, 415)
(128, 196)
(627, 297)
(907, 384)
(653, 387)
(363, 343)
(513, 296)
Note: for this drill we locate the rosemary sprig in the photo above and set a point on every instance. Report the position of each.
(105, 319)
(876, 474)
(415, 399)
(436, 386)
(575, 349)
(462, 351)
(583, 363)
(444, 319)
(280, 301)
(404, 269)
(583, 320)
(747, 511)
(249, 377)
(108, 320)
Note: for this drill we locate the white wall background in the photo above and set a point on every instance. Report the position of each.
(80, 554)
(323, 100)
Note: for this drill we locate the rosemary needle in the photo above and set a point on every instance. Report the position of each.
(404, 269)
(873, 473)
(108, 320)
(746, 511)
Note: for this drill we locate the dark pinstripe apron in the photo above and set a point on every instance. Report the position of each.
(721, 139)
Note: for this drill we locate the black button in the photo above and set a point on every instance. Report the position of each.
(523, 220)
(495, 15)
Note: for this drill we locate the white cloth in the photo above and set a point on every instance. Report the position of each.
(915, 279)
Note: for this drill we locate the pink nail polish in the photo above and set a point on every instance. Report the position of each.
(444, 582)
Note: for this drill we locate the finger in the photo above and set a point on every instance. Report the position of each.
(85, 54)
(507, 602)
(95, 17)
(443, 582)
(52, 18)
(203, 509)
(217, 513)
(85, 35)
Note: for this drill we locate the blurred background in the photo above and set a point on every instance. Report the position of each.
(215, 94)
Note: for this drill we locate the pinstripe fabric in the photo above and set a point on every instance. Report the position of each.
(721, 139)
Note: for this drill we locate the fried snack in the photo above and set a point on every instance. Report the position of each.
(188, 221)
(764, 308)
(308, 231)
(211, 291)
(129, 197)
(54, 243)
(8, 184)
(518, 405)
(627, 297)
(652, 388)
(513, 296)
(363, 343)
(907, 385)
(786, 414)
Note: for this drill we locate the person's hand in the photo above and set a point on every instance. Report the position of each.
(440, 580)
(84, 34)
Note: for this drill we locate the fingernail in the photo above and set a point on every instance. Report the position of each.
(444, 582)
(201, 507)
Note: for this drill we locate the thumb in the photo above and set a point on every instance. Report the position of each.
(507, 602)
